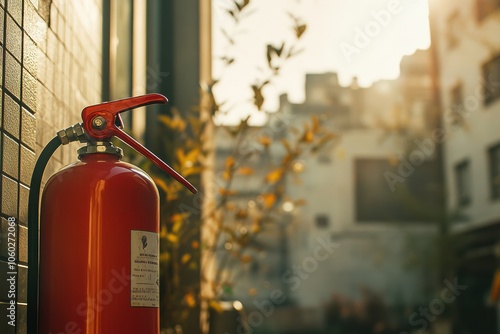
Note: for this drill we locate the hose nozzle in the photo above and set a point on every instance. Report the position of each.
(73, 133)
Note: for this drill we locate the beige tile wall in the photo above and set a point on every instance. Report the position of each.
(50, 68)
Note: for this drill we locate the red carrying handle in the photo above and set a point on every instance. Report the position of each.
(108, 115)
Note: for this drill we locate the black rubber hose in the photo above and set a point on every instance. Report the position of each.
(33, 214)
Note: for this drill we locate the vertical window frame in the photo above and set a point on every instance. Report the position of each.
(463, 181)
(457, 104)
(491, 73)
(494, 171)
(322, 221)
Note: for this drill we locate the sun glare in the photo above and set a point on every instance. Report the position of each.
(356, 38)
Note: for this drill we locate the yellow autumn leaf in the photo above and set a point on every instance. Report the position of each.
(192, 156)
(256, 228)
(190, 300)
(195, 244)
(265, 141)
(177, 226)
(308, 136)
(191, 171)
(172, 238)
(172, 196)
(269, 200)
(241, 214)
(164, 257)
(216, 306)
(179, 217)
(166, 120)
(181, 156)
(175, 123)
(323, 141)
(227, 192)
(275, 175)
(225, 175)
(185, 258)
(246, 259)
(300, 202)
(315, 123)
(195, 123)
(163, 232)
(230, 161)
(286, 144)
(245, 171)
(231, 206)
(161, 184)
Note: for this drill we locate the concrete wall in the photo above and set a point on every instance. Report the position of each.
(50, 69)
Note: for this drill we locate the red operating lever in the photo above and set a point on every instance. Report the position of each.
(100, 122)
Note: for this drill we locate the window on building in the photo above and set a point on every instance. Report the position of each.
(494, 161)
(457, 105)
(491, 74)
(324, 158)
(322, 221)
(388, 191)
(254, 267)
(463, 182)
(486, 7)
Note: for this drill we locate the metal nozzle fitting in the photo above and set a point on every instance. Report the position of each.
(73, 133)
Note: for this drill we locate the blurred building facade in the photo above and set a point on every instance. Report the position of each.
(368, 213)
(384, 229)
(467, 45)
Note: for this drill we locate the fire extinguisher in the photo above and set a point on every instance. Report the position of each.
(98, 269)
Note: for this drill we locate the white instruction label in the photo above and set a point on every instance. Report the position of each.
(145, 269)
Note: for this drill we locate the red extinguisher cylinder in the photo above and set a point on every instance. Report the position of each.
(99, 249)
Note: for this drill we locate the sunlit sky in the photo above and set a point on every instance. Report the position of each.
(362, 38)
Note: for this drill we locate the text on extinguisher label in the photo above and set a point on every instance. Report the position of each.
(144, 269)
